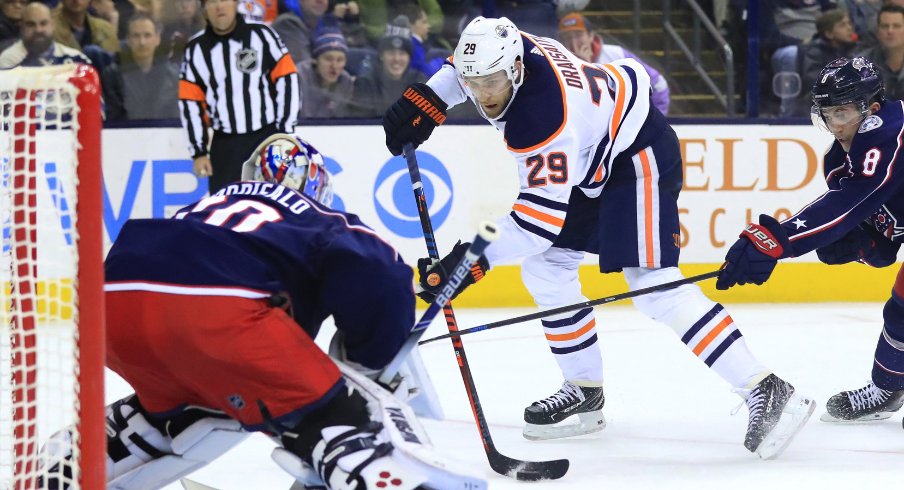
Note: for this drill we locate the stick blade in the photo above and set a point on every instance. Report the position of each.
(528, 470)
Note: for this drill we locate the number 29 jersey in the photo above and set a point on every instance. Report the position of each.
(566, 125)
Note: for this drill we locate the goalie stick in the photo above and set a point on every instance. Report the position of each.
(500, 463)
(576, 306)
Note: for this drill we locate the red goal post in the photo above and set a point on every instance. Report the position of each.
(51, 274)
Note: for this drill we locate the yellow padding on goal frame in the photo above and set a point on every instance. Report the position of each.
(792, 282)
(54, 300)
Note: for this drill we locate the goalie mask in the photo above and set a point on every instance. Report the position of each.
(485, 60)
(290, 161)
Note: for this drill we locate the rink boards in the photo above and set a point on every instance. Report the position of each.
(732, 174)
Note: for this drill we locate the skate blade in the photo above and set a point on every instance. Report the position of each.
(827, 417)
(794, 415)
(589, 422)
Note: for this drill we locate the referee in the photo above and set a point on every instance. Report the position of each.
(239, 80)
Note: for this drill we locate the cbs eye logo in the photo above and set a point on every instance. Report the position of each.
(394, 199)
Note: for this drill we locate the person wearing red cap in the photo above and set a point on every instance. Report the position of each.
(577, 34)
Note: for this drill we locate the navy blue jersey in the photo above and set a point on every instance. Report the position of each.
(865, 184)
(261, 240)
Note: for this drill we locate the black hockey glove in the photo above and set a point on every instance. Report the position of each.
(859, 245)
(412, 118)
(753, 257)
(434, 274)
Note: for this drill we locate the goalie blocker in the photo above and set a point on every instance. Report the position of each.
(361, 438)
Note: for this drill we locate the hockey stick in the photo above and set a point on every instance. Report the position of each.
(576, 306)
(486, 233)
(504, 465)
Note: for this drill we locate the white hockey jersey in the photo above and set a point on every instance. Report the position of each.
(567, 123)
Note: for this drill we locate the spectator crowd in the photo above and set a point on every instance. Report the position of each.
(354, 57)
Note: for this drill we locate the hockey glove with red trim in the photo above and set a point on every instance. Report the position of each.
(753, 257)
(859, 245)
(434, 274)
(413, 117)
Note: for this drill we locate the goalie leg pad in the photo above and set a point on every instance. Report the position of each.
(368, 439)
(144, 452)
(411, 385)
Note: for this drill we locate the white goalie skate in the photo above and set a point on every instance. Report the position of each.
(572, 411)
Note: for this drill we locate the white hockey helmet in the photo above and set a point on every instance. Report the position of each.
(290, 161)
(487, 46)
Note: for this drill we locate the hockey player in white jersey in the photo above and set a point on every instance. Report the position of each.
(600, 172)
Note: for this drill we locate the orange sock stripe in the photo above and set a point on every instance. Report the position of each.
(558, 337)
(712, 335)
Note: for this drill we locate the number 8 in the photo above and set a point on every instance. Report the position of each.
(871, 161)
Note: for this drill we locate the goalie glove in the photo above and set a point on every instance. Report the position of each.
(753, 257)
(413, 117)
(435, 273)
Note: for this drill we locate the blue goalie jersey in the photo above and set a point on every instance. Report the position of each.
(261, 240)
(865, 187)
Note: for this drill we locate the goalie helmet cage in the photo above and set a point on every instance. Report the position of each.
(51, 275)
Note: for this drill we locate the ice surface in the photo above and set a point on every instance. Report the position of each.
(669, 422)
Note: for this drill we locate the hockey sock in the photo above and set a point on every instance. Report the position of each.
(702, 324)
(888, 365)
(573, 341)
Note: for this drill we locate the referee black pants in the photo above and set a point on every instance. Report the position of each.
(229, 151)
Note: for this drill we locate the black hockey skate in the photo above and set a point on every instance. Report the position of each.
(863, 405)
(776, 413)
(545, 418)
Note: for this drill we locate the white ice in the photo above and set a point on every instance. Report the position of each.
(669, 422)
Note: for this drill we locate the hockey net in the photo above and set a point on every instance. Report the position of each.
(51, 276)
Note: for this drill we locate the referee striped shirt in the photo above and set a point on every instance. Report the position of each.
(236, 84)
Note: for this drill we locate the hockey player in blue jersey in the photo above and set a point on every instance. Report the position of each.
(600, 172)
(855, 220)
(211, 317)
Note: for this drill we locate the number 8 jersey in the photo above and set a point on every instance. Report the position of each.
(568, 122)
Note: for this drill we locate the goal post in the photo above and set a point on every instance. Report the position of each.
(51, 275)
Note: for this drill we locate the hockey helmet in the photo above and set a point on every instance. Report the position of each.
(488, 46)
(846, 81)
(290, 161)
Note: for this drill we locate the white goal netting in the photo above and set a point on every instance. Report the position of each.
(42, 384)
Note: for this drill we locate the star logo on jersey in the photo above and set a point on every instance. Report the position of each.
(246, 60)
(799, 223)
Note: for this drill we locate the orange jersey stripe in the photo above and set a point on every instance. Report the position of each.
(283, 67)
(647, 205)
(533, 213)
(191, 91)
(619, 102)
(558, 337)
(712, 335)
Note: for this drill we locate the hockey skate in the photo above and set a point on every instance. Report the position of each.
(554, 417)
(863, 405)
(776, 412)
